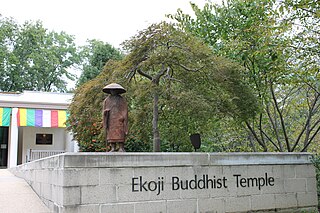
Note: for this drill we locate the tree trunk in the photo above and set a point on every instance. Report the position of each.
(155, 126)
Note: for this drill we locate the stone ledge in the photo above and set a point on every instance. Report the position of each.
(260, 158)
(123, 160)
(163, 159)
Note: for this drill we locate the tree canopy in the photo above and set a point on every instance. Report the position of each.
(33, 58)
(176, 87)
(277, 44)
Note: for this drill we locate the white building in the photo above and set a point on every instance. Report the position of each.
(32, 125)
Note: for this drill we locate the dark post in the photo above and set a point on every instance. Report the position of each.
(195, 141)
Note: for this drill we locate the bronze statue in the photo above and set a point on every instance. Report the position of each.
(115, 116)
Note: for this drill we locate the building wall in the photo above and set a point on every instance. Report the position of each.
(29, 139)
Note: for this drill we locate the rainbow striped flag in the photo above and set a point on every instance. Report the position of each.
(5, 116)
(42, 118)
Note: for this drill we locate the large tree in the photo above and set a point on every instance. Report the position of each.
(281, 63)
(170, 58)
(33, 58)
(176, 86)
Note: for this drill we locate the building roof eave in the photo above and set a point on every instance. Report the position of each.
(33, 105)
(36, 100)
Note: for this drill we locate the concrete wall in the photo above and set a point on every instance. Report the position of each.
(156, 182)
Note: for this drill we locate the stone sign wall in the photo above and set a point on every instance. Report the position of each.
(174, 182)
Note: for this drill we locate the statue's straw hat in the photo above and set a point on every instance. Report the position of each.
(117, 87)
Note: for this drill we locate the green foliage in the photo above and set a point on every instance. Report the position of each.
(280, 64)
(188, 80)
(304, 17)
(85, 116)
(227, 136)
(193, 87)
(136, 144)
(95, 55)
(33, 58)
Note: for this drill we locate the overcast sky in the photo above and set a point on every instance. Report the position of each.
(112, 21)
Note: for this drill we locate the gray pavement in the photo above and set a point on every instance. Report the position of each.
(16, 196)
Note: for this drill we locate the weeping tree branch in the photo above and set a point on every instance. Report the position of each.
(144, 74)
(190, 69)
(163, 70)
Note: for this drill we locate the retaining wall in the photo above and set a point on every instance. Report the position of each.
(174, 182)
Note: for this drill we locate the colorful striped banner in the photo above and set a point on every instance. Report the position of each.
(5, 116)
(42, 118)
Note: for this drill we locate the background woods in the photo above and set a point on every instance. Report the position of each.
(276, 42)
(33, 58)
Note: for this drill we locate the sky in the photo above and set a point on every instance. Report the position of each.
(112, 21)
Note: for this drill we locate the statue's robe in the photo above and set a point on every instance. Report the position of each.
(115, 118)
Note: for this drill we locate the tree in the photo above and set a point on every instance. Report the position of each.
(95, 56)
(33, 58)
(161, 54)
(174, 82)
(304, 17)
(260, 35)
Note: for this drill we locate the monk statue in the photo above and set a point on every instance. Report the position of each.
(115, 116)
